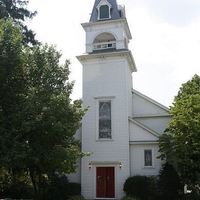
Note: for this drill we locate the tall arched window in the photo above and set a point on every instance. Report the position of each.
(105, 119)
(104, 41)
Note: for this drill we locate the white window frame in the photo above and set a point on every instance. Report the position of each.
(152, 157)
(104, 2)
(104, 99)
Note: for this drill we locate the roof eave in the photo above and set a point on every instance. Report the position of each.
(122, 20)
(126, 53)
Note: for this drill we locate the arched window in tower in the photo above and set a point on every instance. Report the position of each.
(104, 12)
(104, 41)
(105, 119)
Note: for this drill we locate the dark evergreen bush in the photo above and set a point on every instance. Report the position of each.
(129, 198)
(194, 195)
(169, 184)
(76, 197)
(58, 187)
(153, 189)
(142, 187)
(74, 189)
(61, 189)
(18, 189)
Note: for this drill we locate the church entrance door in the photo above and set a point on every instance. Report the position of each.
(105, 182)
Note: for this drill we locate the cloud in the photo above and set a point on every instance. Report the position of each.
(166, 55)
(175, 12)
(165, 45)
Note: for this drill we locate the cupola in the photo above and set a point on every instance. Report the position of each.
(107, 29)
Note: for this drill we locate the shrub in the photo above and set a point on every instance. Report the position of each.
(142, 187)
(20, 190)
(74, 189)
(57, 188)
(169, 184)
(16, 190)
(194, 195)
(15, 184)
(61, 189)
(129, 198)
(153, 190)
(76, 197)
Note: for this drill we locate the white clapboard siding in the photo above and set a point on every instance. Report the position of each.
(106, 79)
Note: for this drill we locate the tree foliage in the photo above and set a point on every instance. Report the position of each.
(16, 10)
(181, 142)
(37, 118)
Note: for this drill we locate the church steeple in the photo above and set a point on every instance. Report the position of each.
(107, 89)
(115, 128)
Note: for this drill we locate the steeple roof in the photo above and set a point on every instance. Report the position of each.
(115, 13)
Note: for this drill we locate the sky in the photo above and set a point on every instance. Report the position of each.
(165, 44)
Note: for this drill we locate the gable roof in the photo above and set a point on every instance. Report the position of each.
(114, 11)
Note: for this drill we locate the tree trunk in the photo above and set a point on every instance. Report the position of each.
(33, 180)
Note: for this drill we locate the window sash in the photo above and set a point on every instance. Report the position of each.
(148, 158)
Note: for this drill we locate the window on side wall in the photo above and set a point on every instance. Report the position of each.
(148, 158)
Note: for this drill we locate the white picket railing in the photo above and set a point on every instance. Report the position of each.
(104, 45)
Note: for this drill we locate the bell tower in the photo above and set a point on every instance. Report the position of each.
(107, 90)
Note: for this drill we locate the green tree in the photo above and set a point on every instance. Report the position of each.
(38, 120)
(181, 142)
(169, 184)
(16, 10)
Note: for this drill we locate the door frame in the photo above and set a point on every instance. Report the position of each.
(114, 165)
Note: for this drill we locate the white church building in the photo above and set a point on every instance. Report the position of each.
(122, 126)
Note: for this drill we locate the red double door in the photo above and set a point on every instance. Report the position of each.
(105, 182)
